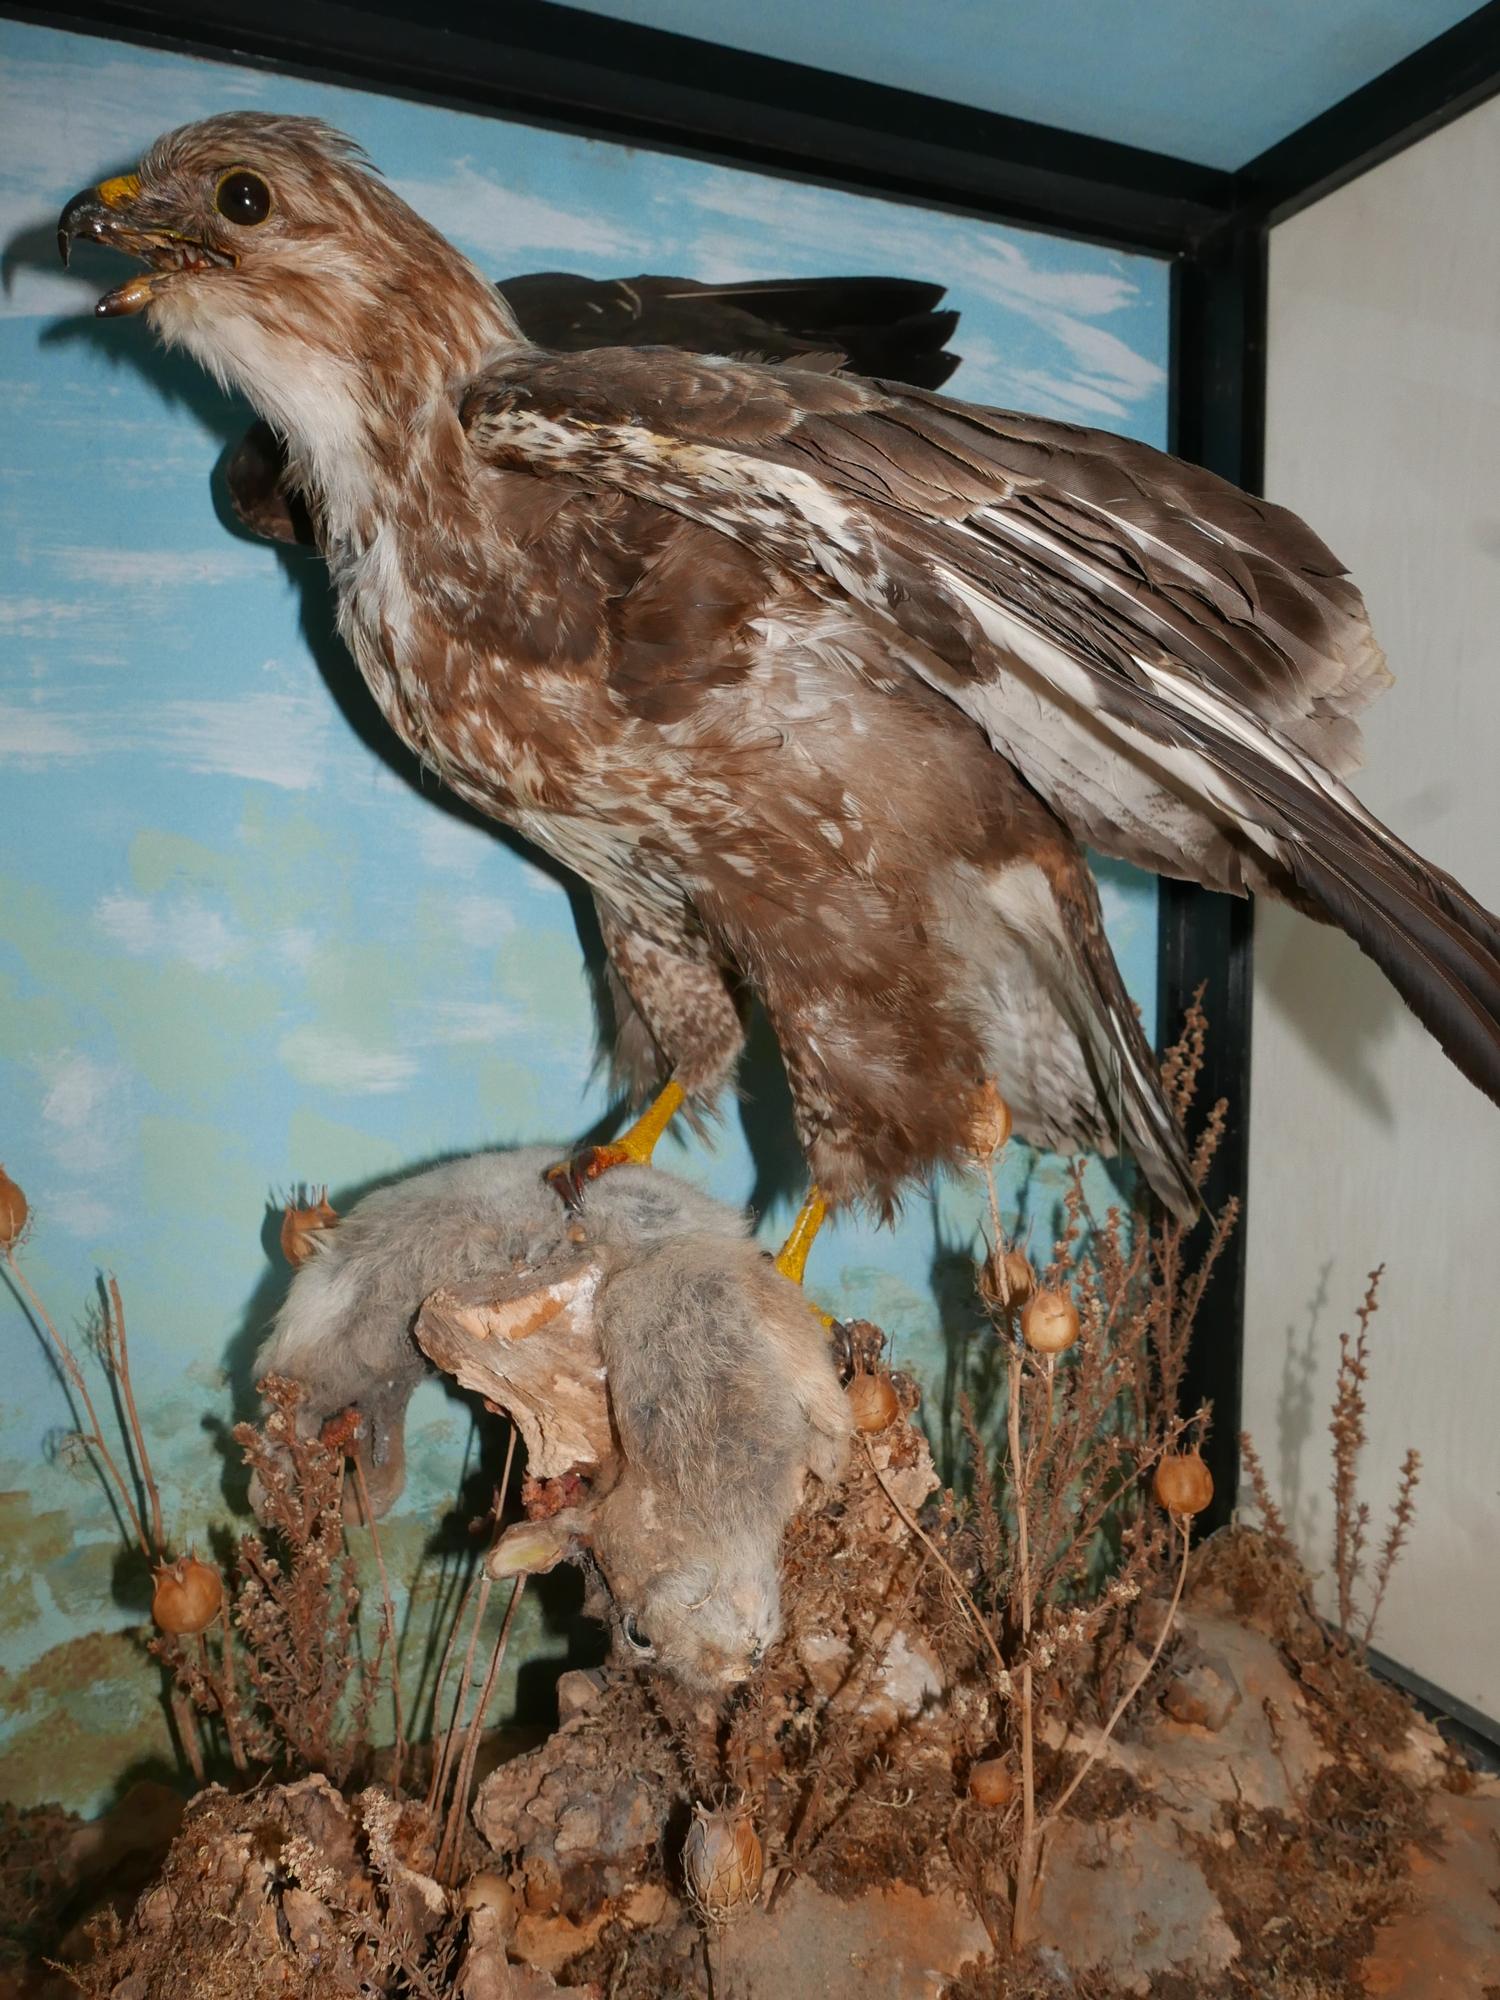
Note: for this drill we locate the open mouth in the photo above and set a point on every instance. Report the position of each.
(170, 257)
(170, 254)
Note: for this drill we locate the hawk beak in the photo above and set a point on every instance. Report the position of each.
(95, 213)
(102, 215)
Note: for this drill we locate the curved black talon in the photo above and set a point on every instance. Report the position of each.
(567, 1184)
(569, 1178)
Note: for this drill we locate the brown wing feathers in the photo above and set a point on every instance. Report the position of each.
(1178, 621)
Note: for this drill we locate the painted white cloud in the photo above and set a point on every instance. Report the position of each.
(275, 739)
(37, 617)
(33, 736)
(454, 846)
(82, 1112)
(333, 1060)
(495, 222)
(154, 570)
(480, 921)
(280, 739)
(455, 1022)
(171, 928)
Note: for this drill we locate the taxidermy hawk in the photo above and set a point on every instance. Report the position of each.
(818, 682)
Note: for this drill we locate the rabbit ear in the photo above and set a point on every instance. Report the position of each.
(531, 1548)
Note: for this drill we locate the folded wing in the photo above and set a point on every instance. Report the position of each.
(1175, 667)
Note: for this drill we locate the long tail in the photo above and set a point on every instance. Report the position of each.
(1437, 945)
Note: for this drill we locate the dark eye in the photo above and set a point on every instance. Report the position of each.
(243, 198)
(634, 1634)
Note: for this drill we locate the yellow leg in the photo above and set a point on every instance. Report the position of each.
(634, 1147)
(791, 1258)
(638, 1142)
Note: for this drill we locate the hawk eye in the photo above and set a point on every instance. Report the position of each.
(243, 198)
(634, 1633)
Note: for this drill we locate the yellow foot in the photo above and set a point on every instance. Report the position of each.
(791, 1258)
(634, 1147)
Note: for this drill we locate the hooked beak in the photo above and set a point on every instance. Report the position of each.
(102, 215)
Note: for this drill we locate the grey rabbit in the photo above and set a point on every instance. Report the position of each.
(725, 1396)
(722, 1390)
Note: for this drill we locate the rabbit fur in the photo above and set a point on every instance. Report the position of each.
(722, 1390)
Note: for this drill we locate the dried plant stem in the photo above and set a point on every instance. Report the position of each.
(118, 1348)
(1024, 1908)
(439, 1773)
(975, 1615)
(1058, 1806)
(1395, 1541)
(1350, 1516)
(466, 1677)
(1274, 1521)
(230, 1705)
(185, 1717)
(93, 1439)
(461, 1694)
(452, 1844)
(388, 1615)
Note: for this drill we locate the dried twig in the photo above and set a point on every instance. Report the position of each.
(1350, 1515)
(1395, 1540)
(388, 1616)
(93, 1438)
(117, 1350)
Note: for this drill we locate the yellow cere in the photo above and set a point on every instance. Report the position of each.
(124, 187)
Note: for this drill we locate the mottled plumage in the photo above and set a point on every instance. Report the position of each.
(818, 682)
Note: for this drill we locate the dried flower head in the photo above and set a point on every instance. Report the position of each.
(187, 1597)
(722, 1863)
(991, 1782)
(989, 1128)
(13, 1212)
(873, 1402)
(1049, 1322)
(302, 1227)
(1183, 1484)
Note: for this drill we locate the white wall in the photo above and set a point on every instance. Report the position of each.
(1366, 1145)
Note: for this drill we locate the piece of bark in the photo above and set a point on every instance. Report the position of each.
(526, 1342)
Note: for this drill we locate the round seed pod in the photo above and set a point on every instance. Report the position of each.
(187, 1597)
(989, 1128)
(13, 1212)
(301, 1228)
(873, 1402)
(1049, 1322)
(991, 1782)
(722, 1863)
(490, 1897)
(1183, 1484)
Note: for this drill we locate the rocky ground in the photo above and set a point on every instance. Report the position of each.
(1269, 1821)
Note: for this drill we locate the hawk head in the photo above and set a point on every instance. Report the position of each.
(281, 260)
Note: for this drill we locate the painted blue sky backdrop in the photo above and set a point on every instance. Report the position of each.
(238, 950)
